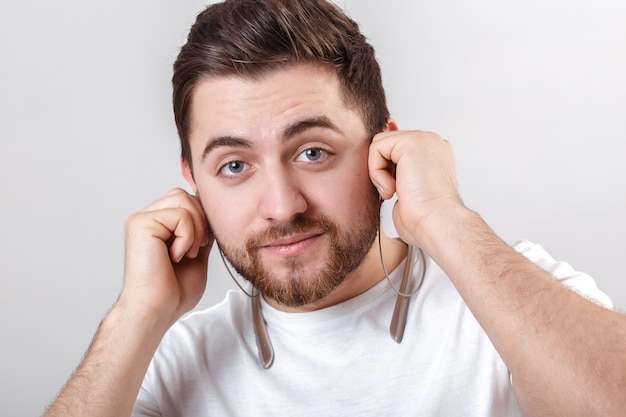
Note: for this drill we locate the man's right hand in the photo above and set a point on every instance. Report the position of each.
(167, 251)
(166, 256)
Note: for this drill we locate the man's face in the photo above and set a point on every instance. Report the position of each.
(280, 165)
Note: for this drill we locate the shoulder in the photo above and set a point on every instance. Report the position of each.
(563, 272)
(200, 346)
(196, 333)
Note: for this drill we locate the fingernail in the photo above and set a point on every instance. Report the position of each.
(193, 252)
(176, 257)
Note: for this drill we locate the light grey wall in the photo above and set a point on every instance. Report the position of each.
(532, 94)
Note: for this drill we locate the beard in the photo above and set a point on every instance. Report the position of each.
(346, 251)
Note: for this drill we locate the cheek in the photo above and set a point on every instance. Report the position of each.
(350, 193)
(358, 182)
(225, 219)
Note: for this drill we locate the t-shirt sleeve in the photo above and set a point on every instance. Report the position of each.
(146, 405)
(579, 282)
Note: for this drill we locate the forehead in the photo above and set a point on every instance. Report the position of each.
(239, 106)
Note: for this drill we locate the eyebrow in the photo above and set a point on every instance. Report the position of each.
(291, 131)
(306, 124)
(225, 141)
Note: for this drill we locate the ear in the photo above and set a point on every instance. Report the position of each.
(391, 125)
(187, 174)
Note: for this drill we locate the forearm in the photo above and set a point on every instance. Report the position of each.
(108, 380)
(567, 355)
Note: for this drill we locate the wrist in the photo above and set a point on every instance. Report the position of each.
(442, 223)
(450, 231)
(146, 319)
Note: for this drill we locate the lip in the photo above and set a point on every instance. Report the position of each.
(292, 245)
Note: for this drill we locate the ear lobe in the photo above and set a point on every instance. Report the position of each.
(187, 174)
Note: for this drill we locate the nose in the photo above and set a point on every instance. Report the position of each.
(281, 197)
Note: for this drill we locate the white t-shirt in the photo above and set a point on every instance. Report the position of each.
(341, 360)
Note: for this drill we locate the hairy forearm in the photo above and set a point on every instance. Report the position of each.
(566, 354)
(108, 380)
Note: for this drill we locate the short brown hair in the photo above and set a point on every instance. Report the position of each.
(249, 38)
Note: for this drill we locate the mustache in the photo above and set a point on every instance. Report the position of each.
(299, 224)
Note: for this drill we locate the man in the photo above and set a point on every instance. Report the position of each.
(289, 148)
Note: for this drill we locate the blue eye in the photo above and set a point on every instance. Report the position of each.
(233, 168)
(312, 155)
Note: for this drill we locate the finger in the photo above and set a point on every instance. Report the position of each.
(175, 227)
(176, 197)
(179, 198)
(207, 235)
(203, 235)
(381, 165)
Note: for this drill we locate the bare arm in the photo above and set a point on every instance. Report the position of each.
(108, 380)
(167, 248)
(566, 354)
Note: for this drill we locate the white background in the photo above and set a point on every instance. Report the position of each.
(531, 93)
